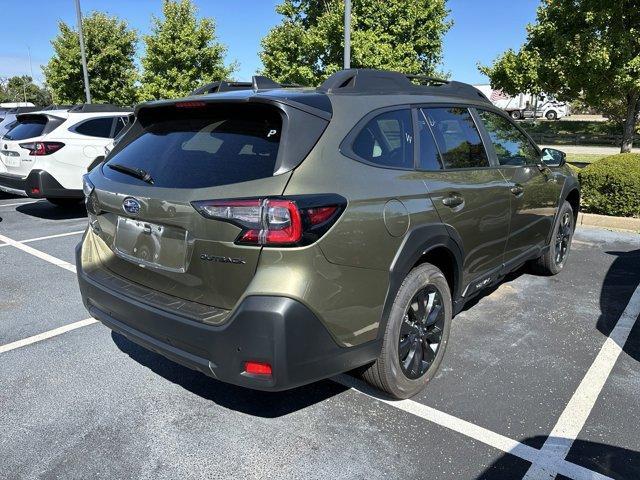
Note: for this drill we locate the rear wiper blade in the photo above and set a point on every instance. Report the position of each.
(134, 172)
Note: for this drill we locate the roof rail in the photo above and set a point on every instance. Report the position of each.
(17, 110)
(263, 83)
(57, 107)
(98, 107)
(362, 80)
(221, 86)
(257, 83)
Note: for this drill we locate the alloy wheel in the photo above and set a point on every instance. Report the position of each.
(563, 237)
(421, 332)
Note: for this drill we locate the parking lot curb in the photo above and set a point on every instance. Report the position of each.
(605, 221)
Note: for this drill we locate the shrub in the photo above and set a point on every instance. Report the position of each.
(611, 186)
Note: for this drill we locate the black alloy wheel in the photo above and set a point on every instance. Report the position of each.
(421, 332)
(563, 237)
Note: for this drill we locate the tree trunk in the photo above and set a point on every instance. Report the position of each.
(630, 120)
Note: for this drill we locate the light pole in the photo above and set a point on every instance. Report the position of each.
(30, 64)
(84, 59)
(347, 34)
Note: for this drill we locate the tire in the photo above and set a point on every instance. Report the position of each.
(554, 260)
(64, 202)
(551, 115)
(388, 373)
(516, 114)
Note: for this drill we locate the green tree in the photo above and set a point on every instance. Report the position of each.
(182, 53)
(307, 46)
(587, 50)
(21, 89)
(110, 47)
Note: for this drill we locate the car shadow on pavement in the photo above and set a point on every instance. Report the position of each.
(614, 462)
(621, 280)
(250, 402)
(48, 211)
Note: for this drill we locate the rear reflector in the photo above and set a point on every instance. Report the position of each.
(257, 368)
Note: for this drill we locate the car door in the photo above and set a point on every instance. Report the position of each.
(533, 186)
(469, 193)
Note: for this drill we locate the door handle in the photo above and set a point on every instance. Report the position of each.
(517, 190)
(453, 201)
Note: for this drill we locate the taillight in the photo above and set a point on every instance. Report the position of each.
(42, 148)
(276, 221)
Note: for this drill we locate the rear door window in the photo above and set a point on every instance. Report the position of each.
(28, 129)
(387, 140)
(184, 151)
(511, 145)
(97, 127)
(457, 137)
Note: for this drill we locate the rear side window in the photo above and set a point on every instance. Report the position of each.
(457, 137)
(28, 129)
(189, 151)
(387, 140)
(97, 127)
(511, 145)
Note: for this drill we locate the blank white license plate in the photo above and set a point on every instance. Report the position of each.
(145, 243)
(10, 160)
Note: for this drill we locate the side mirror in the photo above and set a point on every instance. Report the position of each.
(553, 158)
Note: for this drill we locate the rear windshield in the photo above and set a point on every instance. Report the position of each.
(28, 129)
(195, 150)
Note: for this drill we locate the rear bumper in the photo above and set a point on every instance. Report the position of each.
(276, 330)
(38, 184)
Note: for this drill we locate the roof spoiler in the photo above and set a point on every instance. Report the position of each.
(362, 80)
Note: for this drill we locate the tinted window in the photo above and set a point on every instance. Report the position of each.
(387, 140)
(457, 137)
(429, 157)
(185, 151)
(510, 144)
(98, 127)
(28, 129)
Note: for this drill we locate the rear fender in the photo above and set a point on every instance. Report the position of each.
(418, 242)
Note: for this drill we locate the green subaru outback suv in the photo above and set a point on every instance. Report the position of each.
(271, 237)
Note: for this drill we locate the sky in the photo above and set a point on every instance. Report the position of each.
(481, 30)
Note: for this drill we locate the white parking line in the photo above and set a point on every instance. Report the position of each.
(476, 432)
(29, 240)
(48, 334)
(579, 407)
(18, 203)
(38, 253)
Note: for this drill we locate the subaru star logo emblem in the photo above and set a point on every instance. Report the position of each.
(131, 206)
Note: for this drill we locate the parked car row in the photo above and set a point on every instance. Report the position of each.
(45, 152)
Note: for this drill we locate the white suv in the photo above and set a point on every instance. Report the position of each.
(45, 154)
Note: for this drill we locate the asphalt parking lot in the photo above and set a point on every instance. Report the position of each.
(541, 380)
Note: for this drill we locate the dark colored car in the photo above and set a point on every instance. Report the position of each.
(272, 237)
